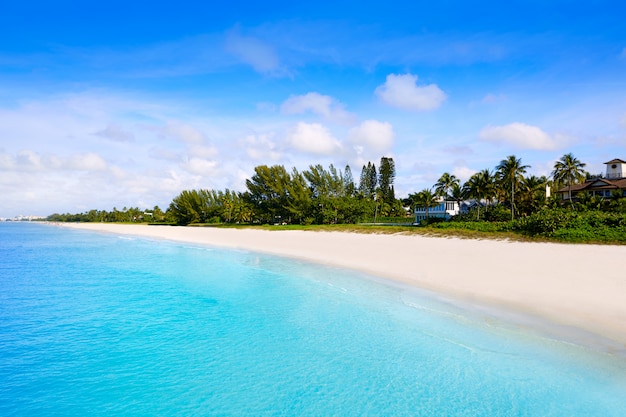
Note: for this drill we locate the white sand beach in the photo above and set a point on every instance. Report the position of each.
(577, 287)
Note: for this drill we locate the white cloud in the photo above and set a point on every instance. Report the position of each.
(403, 92)
(116, 133)
(260, 147)
(164, 154)
(254, 52)
(313, 138)
(455, 150)
(519, 135)
(6, 162)
(85, 162)
(200, 166)
(74, 152)
(119, 173)
(183, 132)
(463, 173)
(491, 98)
(372, 136)
(325, 106)
(622, 121)
(200, 151)
(488, 99)
(31, 161)
(28, 160)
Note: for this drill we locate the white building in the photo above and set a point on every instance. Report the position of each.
(445, 209)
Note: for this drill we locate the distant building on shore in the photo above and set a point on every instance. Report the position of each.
(611, 184)
(444, 210)
(22, 218)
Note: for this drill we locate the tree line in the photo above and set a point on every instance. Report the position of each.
(273, 195)
(504, 187)
(506, 193)
(316, 195)
(125, 215)
(504, 196)
(506, 200)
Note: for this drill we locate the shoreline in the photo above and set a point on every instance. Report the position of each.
(573, 293)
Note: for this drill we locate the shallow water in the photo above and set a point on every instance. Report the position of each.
(94, 324)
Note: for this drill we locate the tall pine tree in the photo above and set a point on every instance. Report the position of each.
(369, 180)
(372, 179)
(387, 175)
(348, 182)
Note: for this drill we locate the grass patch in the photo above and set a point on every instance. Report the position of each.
(546, 227)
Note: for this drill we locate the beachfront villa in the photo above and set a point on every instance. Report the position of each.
(445, 209)
(613, 182)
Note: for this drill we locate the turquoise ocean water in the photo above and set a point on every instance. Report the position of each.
(104, 325)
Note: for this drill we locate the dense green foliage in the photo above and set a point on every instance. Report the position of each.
(481, 226)
(126, 215)
(508, 202)
(575, 226)
(315, 196)
(557, 224)
(275, 195)
(502, 203)
(208, 206)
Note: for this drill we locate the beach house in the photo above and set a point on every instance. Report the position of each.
(445, 209)
(612, 183)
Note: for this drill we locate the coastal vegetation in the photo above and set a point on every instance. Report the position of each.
(500, 203)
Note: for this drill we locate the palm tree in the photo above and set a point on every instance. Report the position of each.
(569, 170)
(532, 193)
(445, 184)
(510, 172)
(457, 193)
(588, 201)
(426, 199)
(480, 187)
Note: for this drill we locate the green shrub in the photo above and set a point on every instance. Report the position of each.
(574, 226)
(474, 226)
(431, 221)
(602, 234)
(497, 213)
(544, 222)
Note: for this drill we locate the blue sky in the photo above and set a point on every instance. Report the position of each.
(121, 104)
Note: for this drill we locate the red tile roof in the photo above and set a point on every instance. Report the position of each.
(597, 184)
